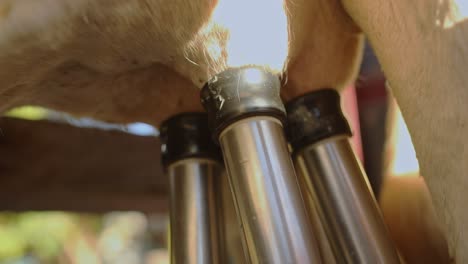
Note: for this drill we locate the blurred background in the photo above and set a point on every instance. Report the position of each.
(65, 237)
(114, 202)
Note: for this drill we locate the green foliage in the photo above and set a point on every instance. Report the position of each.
(39, 233)
(11, 245)
(28, 112)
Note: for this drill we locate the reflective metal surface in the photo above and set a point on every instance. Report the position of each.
(267, 194)
(195, 211)
(232, 232)
(347, 208)
(324, 244)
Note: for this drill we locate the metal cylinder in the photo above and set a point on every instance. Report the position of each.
(193, 216)
(246, 112)
(191, 161)
(331, 174)
(232, 235)
(324, 244)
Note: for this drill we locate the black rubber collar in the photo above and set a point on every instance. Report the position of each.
(187, 135)
(313, 117)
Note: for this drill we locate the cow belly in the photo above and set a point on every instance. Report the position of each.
(87, 57)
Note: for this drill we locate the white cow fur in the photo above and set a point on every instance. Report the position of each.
(426, 67)
(112, 60)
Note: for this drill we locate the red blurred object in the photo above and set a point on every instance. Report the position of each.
(350, 108)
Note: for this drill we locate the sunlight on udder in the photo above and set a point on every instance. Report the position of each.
(457, 13)
(257, 32)
(405, 161)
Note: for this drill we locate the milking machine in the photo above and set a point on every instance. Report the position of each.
(338, 220)
(334, 181)
(247, 116)
(192, 163)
